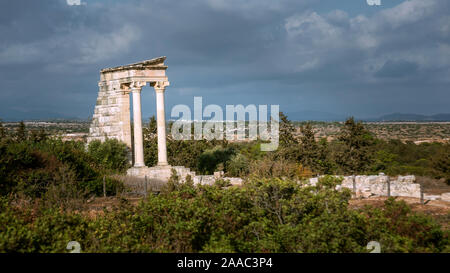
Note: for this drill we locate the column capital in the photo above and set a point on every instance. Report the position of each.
(160, 86)
(136, 86)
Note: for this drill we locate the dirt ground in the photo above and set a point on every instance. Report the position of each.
(439, 210)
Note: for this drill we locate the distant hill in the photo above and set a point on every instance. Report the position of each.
(315, 116)
(412, 117)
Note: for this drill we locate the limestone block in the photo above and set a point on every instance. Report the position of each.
(379, 188)
(405, 189)
(313, 181)
(218, 175)
(431, 197)
(347, 182)
(407, 179)
(234, 181)
(445, 197)
(366, 193)
(204, 179)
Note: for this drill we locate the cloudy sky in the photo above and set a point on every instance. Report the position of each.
(341, 57)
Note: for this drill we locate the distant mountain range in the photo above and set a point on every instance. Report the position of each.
(412, 117)
(314, 116)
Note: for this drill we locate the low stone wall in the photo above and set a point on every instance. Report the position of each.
(378, 185)
(370, 185)
(163, 173)
(363, 185)
(445, 197)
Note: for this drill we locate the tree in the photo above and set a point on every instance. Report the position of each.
(21, 133)
(2, 130)
(309, 150)
(313, 154)
(38, 136)
(442, 163)
(152, 126)
(355, 153)
(238, 165)
(288, 144)
(209, 160)
(151, 130)
(287, 130)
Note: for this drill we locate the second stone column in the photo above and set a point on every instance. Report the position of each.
(136, 88)
(161, 122)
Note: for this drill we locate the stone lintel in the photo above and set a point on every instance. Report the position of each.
(155, 64)
(128, 80)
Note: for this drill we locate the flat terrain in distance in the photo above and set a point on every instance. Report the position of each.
(68, 130)
(418, 132)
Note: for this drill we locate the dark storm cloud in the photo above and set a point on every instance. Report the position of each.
(397, 69)
(295, 53)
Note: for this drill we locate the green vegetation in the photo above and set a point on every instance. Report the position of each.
(31, 166)
(262, 216)
(45, 183)
(110, 154)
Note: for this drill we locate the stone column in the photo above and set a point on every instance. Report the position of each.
(136, 88)
(161, 122)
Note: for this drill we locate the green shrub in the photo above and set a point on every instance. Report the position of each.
(110, 154)
(238, 165)
(264, 215)
(211, 158)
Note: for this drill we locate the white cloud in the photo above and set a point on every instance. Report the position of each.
(408, 12)
(73, 2)
(87, 46)
(314, 27)
(95, 47)
(414, 31)
(248, 5)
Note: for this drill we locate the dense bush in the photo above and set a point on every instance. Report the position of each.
(265, 215)
(210, 159)
(201, 156)
(427, 159)
(238, 165)
(31, 168)
(110, 154)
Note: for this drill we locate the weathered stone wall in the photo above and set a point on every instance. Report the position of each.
(112, 114)
(163, 173)
(367, 185)
(377, 184)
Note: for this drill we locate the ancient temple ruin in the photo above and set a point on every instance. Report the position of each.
(112, 116)
(112, 112)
